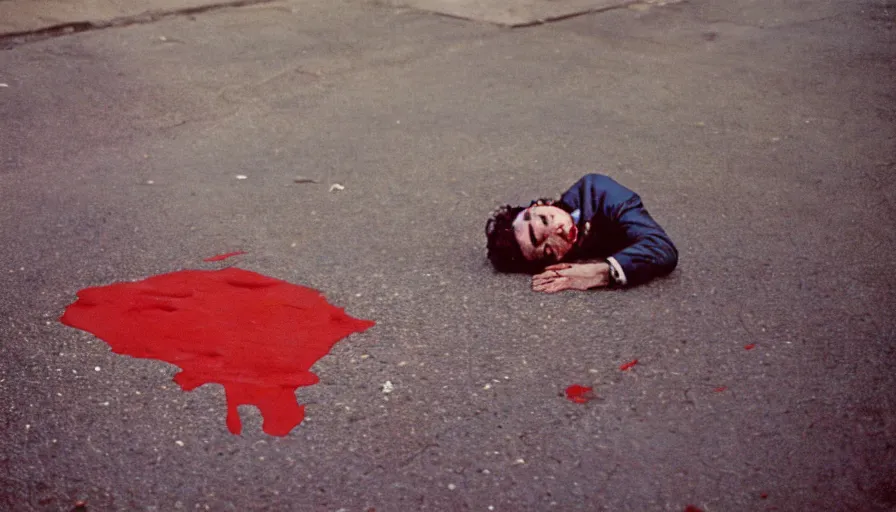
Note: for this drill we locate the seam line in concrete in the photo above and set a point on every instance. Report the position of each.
(13, 39)
(574, 15)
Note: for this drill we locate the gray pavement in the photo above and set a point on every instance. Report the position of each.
(759, 133)
(520, 13)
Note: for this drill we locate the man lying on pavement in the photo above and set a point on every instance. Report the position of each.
(598, 234)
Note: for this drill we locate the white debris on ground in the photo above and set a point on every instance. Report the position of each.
(336, 186)
(388, 387)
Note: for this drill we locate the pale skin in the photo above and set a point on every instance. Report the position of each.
(572, 276)
(547, 233)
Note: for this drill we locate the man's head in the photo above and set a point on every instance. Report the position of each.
(528, 239)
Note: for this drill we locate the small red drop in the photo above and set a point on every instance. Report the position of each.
(628, 365)
(579, 394)
(224, 256)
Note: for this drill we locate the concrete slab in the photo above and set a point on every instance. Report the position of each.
(519, 12)
(28, 16)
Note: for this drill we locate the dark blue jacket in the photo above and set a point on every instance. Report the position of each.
(620, 228)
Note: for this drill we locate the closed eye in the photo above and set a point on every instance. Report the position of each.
(544, 220)
(532, 236)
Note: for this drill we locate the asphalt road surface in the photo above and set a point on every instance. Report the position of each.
(760, 134)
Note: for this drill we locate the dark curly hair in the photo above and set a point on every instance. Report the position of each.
(503, 250)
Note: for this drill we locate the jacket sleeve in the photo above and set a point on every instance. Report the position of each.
(650, 252)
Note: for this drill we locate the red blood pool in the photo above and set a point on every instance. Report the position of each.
(255, 335)
(691, 508)
(224, 256)
(751, 346)
(579, 394)
(628, 365)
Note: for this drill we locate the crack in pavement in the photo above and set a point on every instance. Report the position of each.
(11, 40)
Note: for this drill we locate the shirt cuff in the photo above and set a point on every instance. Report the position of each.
(616, 271)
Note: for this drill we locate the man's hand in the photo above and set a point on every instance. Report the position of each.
(571, 276)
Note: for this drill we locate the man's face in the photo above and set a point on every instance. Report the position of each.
(545, 233)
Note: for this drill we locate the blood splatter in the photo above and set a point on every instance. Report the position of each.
(255, 335)
(579, 394)
(721, 389)
(763, 496)
(628, 365)
(224, 256)
(751, 346)
(691, 508)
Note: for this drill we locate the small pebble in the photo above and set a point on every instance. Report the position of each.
(96, 368)
(179, 442)
(241, 176)
(451, 487)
